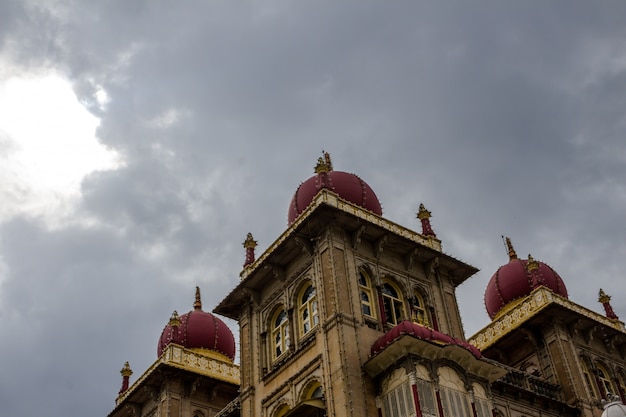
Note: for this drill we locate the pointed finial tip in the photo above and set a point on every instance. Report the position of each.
(423, 213)
(532, 264)
(126, 371)
(509, 246)
(174, 319)
(249, 242)
(324, 164)
(603, 297)
(197, 305)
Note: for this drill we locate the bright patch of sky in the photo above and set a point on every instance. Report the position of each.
(47, 146)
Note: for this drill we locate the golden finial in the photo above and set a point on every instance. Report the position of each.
(249, 243)
(603, 297)
(197, 305)
(509, 246)
(126, 371)
(423, 213)
(174, 319)
(532, 264)
(324, 164)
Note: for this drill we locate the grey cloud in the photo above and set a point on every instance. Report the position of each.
(502, 118)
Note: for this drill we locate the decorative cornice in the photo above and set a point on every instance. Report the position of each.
(529, 307)
(206, 363)
(329, 198)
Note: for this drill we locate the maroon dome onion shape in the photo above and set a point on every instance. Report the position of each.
(198, 330)
(518, 279)
(346, 185)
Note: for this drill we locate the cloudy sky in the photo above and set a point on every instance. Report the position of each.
(141, 140)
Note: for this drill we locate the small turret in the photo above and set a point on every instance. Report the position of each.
(249, 244)
(606, 303)
(126, 373)
(424, 216)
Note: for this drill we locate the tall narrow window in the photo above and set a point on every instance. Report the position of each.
(591, 386)
(428, 405)
(605, 381)
(392, 302)
(418, 309)
(399, 402)
(309, 316)
(280, 333)
(455, 403)
(482, 408)
(366, 295)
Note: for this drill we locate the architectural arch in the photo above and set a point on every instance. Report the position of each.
(454, 396)
(397, 395)
(419, 308)
(604, 379)
(307, 308)
(367, 294)
(279, 331)
(393, 302)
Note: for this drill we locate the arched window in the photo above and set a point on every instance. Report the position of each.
(605, 381)
(589, 379)
(366, 295)
(280, 333)
(308, 312)
(454, 397)
(418, 309)
(392, 302)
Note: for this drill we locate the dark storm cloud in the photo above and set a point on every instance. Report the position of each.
(502, 118)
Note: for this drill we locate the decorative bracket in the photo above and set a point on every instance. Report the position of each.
(356, 236)
(409, 259)
(379, 245)
(305, 244)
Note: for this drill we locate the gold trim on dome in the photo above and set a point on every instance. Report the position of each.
(528, 307)
(199, 361)
(329, 198)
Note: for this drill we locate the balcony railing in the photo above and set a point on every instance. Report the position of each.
(531, 383)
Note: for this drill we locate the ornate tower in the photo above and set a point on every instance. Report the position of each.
(341, 276)
(556, 350)
(193, 376)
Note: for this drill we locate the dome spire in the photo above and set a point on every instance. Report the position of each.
(197, 305)
(509, 246)
(324, 164)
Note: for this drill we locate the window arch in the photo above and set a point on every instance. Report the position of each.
(397, 395)
(366, 295)
(604, 379)
(419, 313)
(281, 410)
(392, 303)
(313, 390)
(454, 397)
(280, 333)
(589, 380)
(308, 313)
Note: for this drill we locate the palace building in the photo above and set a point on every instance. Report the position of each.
(349, 314)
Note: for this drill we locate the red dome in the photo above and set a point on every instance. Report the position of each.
(198, 330)
(348, 186)
(518, 279)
